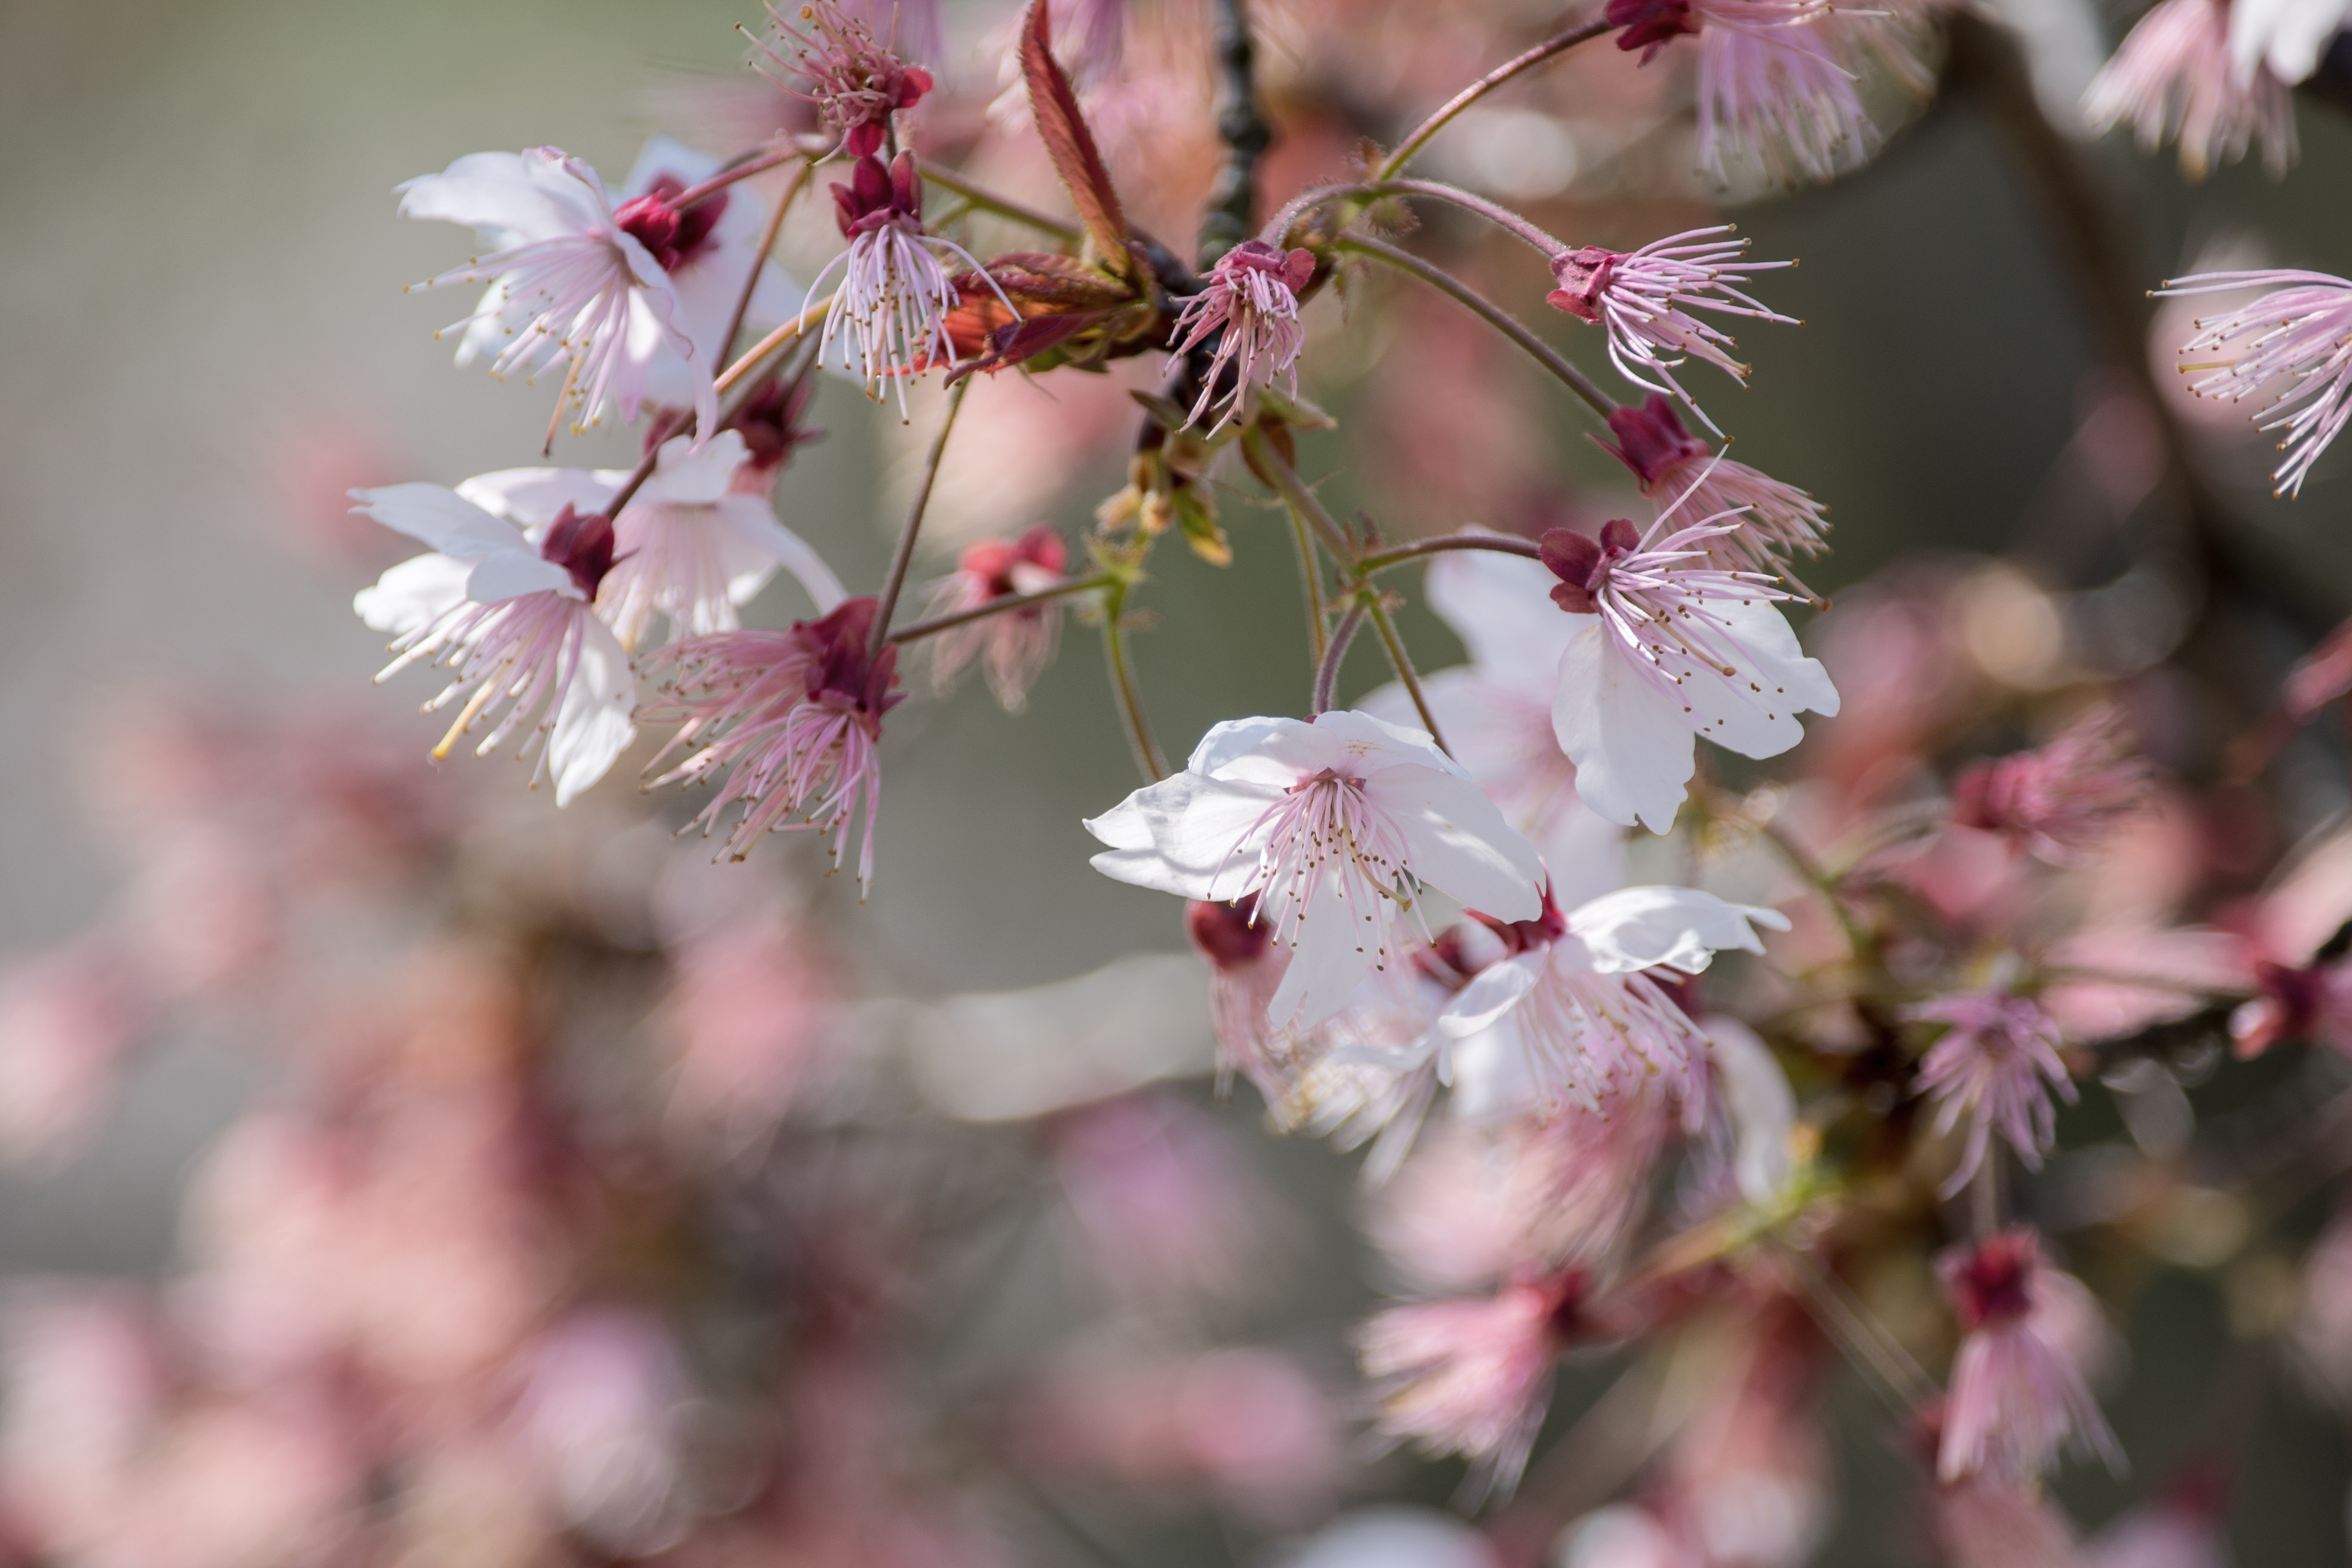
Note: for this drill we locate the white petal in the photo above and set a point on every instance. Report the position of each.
(757, 544)
(442, 520)
(415, 594)
(1629, 738)
(511, 576)
(1753, 710)
(1332, 956)
(684, 473)
(1763, 1108)
(491, 192)
(1492, 991)
(533, 498)
(1459, 842)
(593, 728)
(1233, 738)
(1637, 928)
(1501, 607)
(1197, 836)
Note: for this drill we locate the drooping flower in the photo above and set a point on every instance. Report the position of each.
(571, 280)
(856, 81)
(2060, 800)
(2286, 37)
(689, 546)
(1997, 1065)
(1252, 304)
(2307, 1002)
(515, 624)
(1016, 647)
(1769, 82)
(794, 717)
(1335, 825)
(1245, 968)
(1668, 647)
(2173, 76)
(1777, 520)
(1473, 1376)
(2300, 331)
(1570, 1018)
(1639, 296)
(2018, 1398)
(709, 250)
(890, 311)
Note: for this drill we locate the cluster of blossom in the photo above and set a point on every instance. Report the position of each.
(694, 1303)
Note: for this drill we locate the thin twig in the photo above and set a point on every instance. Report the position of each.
(1549, 245)
(1122, 680)
(1502, 320)
(758, 163)
(1326, 674)
(1558, 44)
(914, 631)
(810, 314)
(760, 257)
(904, 556)
(1310, 581)
(1276, 471)
(988, 201)
(1500, 544)
(1849, 1324)
(1403, 664)
(1243, 127)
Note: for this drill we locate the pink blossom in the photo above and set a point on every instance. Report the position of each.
(516, 627)
(601, 1411)
(1245, 969)
(858, 81)
(2059, 800)
(1013, 646)
(1472, 1375)
(1769, 84)
(2301, 331)
(891, 309)
(68, 1019)
(1997, 1065)
(2017, 1397)
(1776, 519)
(1640, 298)
(1985, 1521)
(1251, 304)
(570, 278)
(748, 1002)
(795, 716)
(2172, 76)
(1166, 1206)
(2306, 1002)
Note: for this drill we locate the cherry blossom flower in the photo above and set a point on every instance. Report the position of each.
(1336, 823)
(2307, 1002)
(1777, 520)
(1495, 713)
(2018, 1398)
(1251, 305)
(601, 1411)
(1473, 1376)
(1245, 969)
(570, 278)
(890, 311)
(515, 624)
(709, 250)
(2060, 800)
(1769, 82)
(1997, 1065)
(1668, 647)
(794, 717)
(856, 81)
(1570, 1018)
(2300, 330)
(1639, 296)
(1014, 648)
(2286, 37)
(691, 546)
(1169, 1211)
(2173, 76)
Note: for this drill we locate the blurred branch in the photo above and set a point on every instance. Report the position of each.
(1242, 124)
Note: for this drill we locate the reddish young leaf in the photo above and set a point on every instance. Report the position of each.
(1054, 107)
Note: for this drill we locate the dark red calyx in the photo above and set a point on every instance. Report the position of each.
(1570, 1294)
(674, 236)
(582, 546)
(1526, 936)
(1293, 268)
(1227, 934)
(1649, 25)
(840, 673)
(889, 89)
(2297, 992)
(1580, 562)
(1993, 1285)
(1651, 439)
(995, 561)
(1583, 275)
(876, 196)
(771, 422)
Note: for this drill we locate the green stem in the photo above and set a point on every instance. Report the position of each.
(1276, 470)
(1403, 664)
(1500, 544)
(1494, 315)
(1122, 681)
(1326, 674)
(988, 201)
(1310, 580)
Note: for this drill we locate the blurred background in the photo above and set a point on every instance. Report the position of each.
(208, 344)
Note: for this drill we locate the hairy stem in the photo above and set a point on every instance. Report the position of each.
(985, 200)
(1494, 315)
(915, 631)
(1499, 543)
(1545, 243)
(760, 256)
(1326, 674)
(1123, 686)
(1559, 43)
(904, 556)
(1242, 125)
(1276, 471)
(1310, 581)
(1401, 663)
(758, 164)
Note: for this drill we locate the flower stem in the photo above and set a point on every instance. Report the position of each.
(1122, 681)
(987, 200)
(1310, 580)
(1326, 674)
(904, 556)
(1984, 1195)
(1401, 663)
(757, 164)
(1500, 544)
(1502, 320)
(1240, 125)
(1559, 43)
(914, 631)
(760, 257)
(1272, 468)
(810, 314)
(1550, 246)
